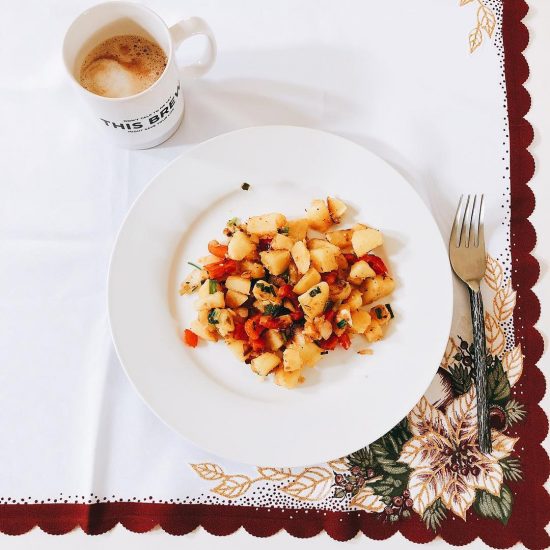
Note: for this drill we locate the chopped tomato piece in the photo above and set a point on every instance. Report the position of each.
(239, 333)
(297, 315)
(351, 258)
(286, 292)
(331, 277)
(252, 327)
(329, 315)
(345, 341)
(217, 249)
(190, 338)
(264, 244)
(221, 269)
(377, 264)
(258, 344)
(329, 344)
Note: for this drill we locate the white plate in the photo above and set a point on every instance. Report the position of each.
(205, 394)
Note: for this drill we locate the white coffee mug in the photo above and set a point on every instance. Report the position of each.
(150, 117)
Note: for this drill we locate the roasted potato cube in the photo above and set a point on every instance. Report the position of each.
(297, 229)
(267, 224)
(301, 257)
(360, 271)
(240, 311)
(237, 347)
(192, 281)
(235, 299)
(273, 339)
(364, 240)
(311, 277)
(354, 301)
(337, 209)
(281, 242)
(265, 363)
(264, 291)
(238, 284)
(225, 323)
(310, 354)
(240, 246)
(340, 238)
(318, 216)
(323, 260)
(377, 287)
(321, 243)
(313, 301)
(292, 360)
(374, 331)
(211, 301)
(254, 269)
(275, 261)
(382, 314)
(360, 319)
(339, 291)
(204, 331)
(287, 379)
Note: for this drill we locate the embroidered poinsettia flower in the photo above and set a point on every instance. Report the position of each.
(445, 458)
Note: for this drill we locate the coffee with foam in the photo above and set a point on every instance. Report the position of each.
(122, 66)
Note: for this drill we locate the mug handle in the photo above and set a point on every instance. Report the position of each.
(192, 26)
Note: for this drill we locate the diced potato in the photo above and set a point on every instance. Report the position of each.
(264, 291)
(254, 269)
(342, 262)
(340, 238)
(240, 246)
(318, 328)
(337, 209)
(282, 242)
(293, 274)
(237, 347)
(381, 314)
(287, 379)
(339, 291)
(235, 299)
(374, 331)
(204, 331)
(319, 215)
(204, 290)
(358, 226)
(267, 224)
(359, 271)
(354, 301)
(240, 311)
(202, 316)
(365, 240)
(311, 277)
(276, 261)
(238, 284)
(377, 287)
(321, 243)
(301, 257)
(313, 301)
(273, 339)
(265, 363)
(361, 319)
(211, 301)
(323, 260)
(297, 229)
(291, 360)
(310, 354)
(192, 281)
(225, 323)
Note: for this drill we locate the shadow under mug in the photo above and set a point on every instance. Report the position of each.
(150, 117)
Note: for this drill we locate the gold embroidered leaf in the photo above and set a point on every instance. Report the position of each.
(464, 2)
(494, 334)
(426, 418)
(458, 496)
(462, 416)
(275, 474)
(450, 351)
(475, 38)
(426, 486)
(493, 273)
(512, 363)
(423, 451)
(233, 486)
(208, 471)
(502, 445)
(486, 19)
(490, 475)
(311, 484)
(368, 501)
(338, 465)
(504, 302)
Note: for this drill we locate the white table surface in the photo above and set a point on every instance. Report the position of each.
(538, 84)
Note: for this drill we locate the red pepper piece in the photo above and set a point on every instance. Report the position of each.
(264, 244)
(377, 264)
(329, 344)
(269, 322)
(286, 291)
(331, 277)
(258, 344)
(220, 270)
(329, 315)
(239, 333)
(252, 327)
(190, 338)
(297, 315)
(217, 249)
(351, 258)
(345, 341)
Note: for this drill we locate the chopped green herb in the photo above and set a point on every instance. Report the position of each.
(275, 310)
(212, 286)
(342, 323)
(245, 186)
(233, 221)
(378, 312)
(195, 265)
(284, 230)
(266, 288)
(315, 291)
(388, 307)
(213, 317)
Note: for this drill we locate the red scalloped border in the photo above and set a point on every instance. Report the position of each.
(532, 502)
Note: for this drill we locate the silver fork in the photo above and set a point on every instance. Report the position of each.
(467, 253)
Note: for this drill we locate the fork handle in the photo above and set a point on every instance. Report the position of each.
(480, 363)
